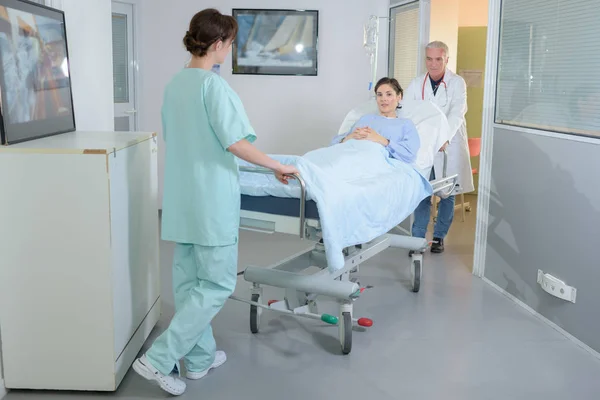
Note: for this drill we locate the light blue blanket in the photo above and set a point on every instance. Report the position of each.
(361, 193)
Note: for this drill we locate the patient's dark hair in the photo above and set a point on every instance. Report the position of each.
(393, 83)
(207, 27)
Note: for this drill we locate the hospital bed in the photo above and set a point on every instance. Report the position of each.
(305, 276)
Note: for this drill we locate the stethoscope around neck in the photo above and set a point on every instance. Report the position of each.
(435, 92)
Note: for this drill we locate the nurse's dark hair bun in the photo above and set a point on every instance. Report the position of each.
(194, 46)
(207, 27)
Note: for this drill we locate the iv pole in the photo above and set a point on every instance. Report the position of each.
(371, 45)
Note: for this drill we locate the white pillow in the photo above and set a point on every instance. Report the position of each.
(369, 107)
(432, 126)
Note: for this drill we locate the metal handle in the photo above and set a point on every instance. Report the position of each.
(132, 111)
(445, 168)
(446, 182)
(266, 171)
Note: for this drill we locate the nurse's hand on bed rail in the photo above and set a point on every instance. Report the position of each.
(247, 152)
(285, 172)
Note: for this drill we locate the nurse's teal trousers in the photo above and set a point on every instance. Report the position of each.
(203, 279)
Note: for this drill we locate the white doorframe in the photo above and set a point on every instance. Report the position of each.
(487, 133)
(487, 138)
(134, 67)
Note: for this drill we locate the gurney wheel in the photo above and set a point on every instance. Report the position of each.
(346, 331)
(254, 314)
(416, 276)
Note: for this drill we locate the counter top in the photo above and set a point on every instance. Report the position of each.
(80, 142)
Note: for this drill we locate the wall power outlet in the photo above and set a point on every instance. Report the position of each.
(556, 287)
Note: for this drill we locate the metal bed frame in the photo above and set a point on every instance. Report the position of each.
(302, 288)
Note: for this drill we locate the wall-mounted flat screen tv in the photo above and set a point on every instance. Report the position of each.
(35, 84)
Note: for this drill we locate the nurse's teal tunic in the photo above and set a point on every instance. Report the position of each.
(202, 116)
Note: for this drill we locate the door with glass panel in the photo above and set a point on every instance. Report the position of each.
(123, 67)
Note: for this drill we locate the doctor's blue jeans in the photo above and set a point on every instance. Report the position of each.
(423, 214)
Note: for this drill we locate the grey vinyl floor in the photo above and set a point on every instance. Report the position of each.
(457, 338)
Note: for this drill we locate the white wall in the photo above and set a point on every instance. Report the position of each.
(444, 26)
(90, 52)
(291, 115)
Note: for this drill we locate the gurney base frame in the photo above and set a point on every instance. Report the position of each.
(302, 303)
(300, 296)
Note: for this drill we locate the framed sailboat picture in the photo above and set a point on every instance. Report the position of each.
(276, 42)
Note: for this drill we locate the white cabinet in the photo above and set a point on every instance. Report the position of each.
(79, 273)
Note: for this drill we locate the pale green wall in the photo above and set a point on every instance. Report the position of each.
(471, 56)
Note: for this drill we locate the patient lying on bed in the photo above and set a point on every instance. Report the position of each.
(398, 135)
(362, 187)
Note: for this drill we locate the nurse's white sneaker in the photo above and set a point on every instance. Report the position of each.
(168, 383)
(220, 358)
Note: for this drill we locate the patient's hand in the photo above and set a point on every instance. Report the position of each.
(358, 134)
(376, 137)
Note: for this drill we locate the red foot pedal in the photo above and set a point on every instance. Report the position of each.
(366, 322)
(365, 288)
(272, 301)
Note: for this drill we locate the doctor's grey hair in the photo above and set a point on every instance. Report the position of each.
(436, 44)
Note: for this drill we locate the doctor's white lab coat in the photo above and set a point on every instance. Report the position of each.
(452, 100)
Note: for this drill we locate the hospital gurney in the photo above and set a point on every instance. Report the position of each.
(299, 215)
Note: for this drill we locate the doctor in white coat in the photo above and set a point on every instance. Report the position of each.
(449, 92)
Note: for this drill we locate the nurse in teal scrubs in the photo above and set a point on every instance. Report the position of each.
(204, 127)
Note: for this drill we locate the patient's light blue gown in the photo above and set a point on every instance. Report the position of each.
(401, 132)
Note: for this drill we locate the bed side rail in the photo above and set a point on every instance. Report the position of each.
(265, 171)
